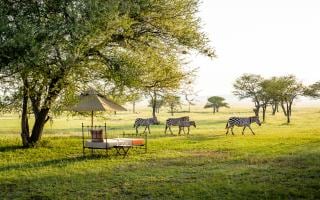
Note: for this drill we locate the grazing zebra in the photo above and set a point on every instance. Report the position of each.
(242, 121)
(144, 122)
(183, 124)
(174, 122)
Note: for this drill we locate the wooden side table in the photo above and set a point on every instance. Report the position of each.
(122, 150)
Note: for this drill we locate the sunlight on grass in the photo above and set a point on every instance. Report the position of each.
(281, 162)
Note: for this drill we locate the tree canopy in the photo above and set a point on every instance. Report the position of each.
(50, 50)
(249, 86)
(216, 102)
(281, 90)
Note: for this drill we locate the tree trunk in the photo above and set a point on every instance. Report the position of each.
(283, 109)
(217, 109)
(133, 107)
(154, 101)
(257, 109)
(274, 109)
(288, 115)
(171, 108)
(290, 106)
(25, 134)
(264, 109)
(38, 126)
(277, 106)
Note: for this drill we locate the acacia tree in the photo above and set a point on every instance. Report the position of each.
(216, 102)
(290, 89)
(48, 48)
(160, 75)
(190, 98)
(313, 90)
(135, 97)
(158, 104)
(173, 102)
(249, 86)
(266, 95)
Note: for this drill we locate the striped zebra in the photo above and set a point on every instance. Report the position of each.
(183, 124)
(144, 122)
(174, 122)
(242, 122)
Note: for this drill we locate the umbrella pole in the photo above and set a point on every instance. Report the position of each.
(92, 118)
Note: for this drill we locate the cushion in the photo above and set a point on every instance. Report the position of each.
(97, 135)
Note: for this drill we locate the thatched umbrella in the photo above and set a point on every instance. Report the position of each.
(92, 101)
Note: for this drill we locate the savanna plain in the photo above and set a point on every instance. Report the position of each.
(280, 162)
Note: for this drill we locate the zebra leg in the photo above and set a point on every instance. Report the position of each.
(145, 129)
(149, 129)
(251, 130)
(188, 129)
(184, 132)
(170, 130)
(137, 130)
(227, 131)
(165, 130)
(232, 130)
(179, 130)
(243, 130)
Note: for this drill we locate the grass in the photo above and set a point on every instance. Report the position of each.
(281, 162)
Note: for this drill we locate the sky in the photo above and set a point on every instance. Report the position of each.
(266, 37)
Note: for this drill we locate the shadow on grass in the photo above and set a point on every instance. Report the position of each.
(206, 138)
(193, 137)
(54, 162)
(214, 122)
(285, 176)
(11, 148)
(286, 124)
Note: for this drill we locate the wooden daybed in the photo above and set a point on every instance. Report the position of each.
(96, 137)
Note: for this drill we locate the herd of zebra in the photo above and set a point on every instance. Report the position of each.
(183, 122)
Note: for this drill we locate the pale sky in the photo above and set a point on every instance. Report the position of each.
(266, 37)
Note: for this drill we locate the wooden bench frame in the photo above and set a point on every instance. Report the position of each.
(119, 148)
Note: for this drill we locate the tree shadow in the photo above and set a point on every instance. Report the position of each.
(54, 162)
(11, 148)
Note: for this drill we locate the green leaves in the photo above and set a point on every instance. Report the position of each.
(54, 49)
(216, 102)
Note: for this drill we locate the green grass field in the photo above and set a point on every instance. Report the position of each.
(280, 162)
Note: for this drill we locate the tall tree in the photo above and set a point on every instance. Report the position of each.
(313, 90)
(190, 98)
(249, 86)
(161, 75)
(290, 89)
(266, 95)
(158, 104)
(50, 47)
(173, 102)
(216, 102)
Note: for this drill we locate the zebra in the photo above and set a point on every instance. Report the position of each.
(242, 121)
(183, 124)
(144, 122)
(174, 122)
